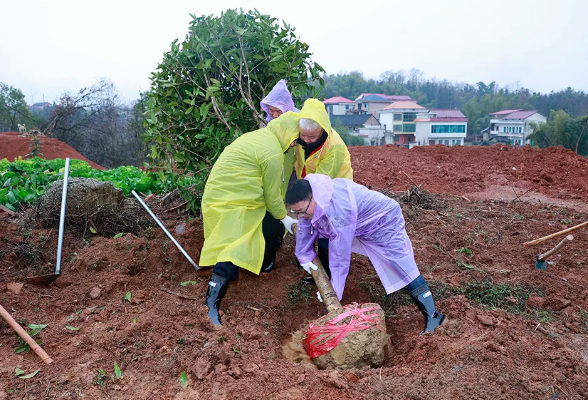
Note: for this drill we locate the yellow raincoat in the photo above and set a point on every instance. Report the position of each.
(332, 158)
(249, 177)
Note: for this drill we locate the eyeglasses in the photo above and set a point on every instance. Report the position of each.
(305, 210)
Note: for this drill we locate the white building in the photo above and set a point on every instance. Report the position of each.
(448, 127)
(397, 119)
(338, 105)
(513, 126)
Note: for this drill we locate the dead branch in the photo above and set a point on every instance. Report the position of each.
(545, 331)
(410, 179)
(180, 295)
(177, 207)
(521, 195)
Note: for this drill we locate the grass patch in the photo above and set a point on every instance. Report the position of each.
(492, 295)
(299, 292)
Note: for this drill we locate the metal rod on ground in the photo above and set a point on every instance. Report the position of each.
(174, 241)
(25, 336)
(62, 217)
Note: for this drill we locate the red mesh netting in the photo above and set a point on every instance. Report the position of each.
(322, 337)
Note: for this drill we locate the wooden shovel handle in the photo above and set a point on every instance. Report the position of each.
(543, 256)
(537, 241)
(25, 336)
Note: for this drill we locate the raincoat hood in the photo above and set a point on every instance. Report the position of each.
(315, 110)
(285, 129)
(322, 192)
(279, 97)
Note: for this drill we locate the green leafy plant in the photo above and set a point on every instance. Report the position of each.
(21, 374)
(206, 90)
(22, 345)
(186, 283)
(71, 328)
(100, 377)
(462, 265)
(127, 296)
(117, 371)
(463, 250)
(183, 380)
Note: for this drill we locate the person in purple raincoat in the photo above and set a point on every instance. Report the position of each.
(356, 219)
(278, 101)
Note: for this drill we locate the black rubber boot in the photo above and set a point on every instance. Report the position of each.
(423, 298)
(269, 259)
(217, 287)
(323, 255)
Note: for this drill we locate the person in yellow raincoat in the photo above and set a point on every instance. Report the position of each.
(247, 181)
(320, 150)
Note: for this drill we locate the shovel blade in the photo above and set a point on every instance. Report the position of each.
(540, 264)
(42, 280)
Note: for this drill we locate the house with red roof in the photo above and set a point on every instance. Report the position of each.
(441, 126)
(338, 105)
(513, 126)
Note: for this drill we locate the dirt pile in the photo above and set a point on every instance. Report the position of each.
(548, 175)
(513, 332)
(12, 146)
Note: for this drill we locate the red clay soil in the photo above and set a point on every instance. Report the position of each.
(12, 146)
(482, 172)
(533, 348)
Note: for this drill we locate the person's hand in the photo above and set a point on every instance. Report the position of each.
(319, 297)
(309, 267)
(288, 221)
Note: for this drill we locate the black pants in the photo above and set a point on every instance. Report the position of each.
(323, 254)
(273, 232)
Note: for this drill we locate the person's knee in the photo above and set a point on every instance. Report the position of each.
(227, 270)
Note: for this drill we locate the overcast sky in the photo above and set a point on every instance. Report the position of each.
(47, 47)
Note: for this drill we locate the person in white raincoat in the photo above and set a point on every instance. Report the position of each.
(356, 219)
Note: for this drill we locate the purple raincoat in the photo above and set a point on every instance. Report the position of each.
(279, 97)
(356, 219)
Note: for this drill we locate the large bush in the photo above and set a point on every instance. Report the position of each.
(207, 89)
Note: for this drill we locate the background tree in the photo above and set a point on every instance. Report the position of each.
(562, 130)
(96, 123)
(13, 109)
(206, 90)
(348, 138)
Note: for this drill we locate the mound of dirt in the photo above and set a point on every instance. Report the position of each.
(552, 175)
(12, 146)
